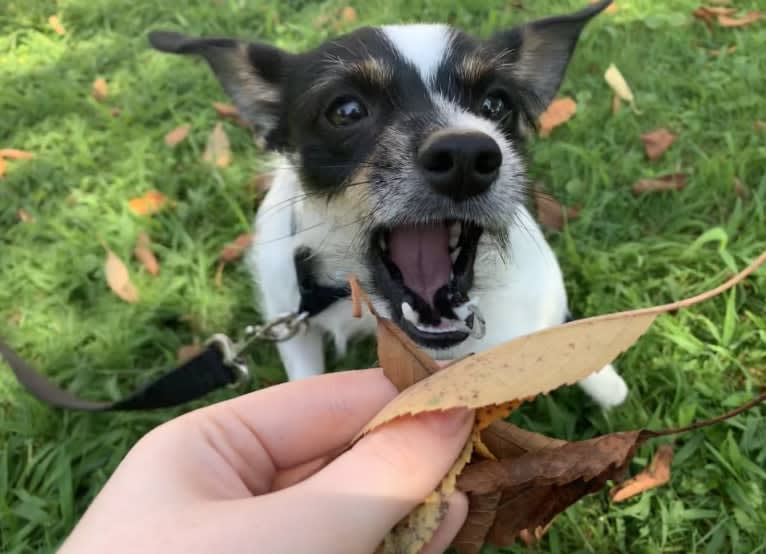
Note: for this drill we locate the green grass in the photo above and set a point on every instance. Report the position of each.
(622, 251)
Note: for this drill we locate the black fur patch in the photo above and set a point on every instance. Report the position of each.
(315, 298)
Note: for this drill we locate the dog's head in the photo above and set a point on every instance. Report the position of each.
(423, 124)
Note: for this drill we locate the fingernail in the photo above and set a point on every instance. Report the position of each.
(449, 422)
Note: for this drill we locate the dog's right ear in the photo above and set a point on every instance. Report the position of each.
(251, 73)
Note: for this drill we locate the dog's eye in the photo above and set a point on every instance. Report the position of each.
(345, 111)
(494, 106)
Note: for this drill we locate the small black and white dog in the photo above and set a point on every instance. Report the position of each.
(401, 163)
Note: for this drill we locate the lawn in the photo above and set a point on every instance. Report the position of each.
(622, 251)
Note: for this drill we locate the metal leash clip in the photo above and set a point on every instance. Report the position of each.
(281, 328)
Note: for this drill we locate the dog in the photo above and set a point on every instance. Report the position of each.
(400, 160)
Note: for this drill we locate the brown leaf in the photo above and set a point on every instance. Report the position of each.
(716, 52)
(536, 363)
(148, 203)
(749, 19)
(99, 90)
(115, 112)
(348, 15)
(709, 13)
(481, 518)
(177, 135)
(230, 113)
(675, 181)
(236, 248)
(187, 352)
(118, 278)
(15, 154)
(24, 216)
(3, 167)
(657, 142)
(217, 151)
(740, 189)
(550, 212)
(143, 253)
(559, 112)
(656, 475)
(534, 536)
(506, 440)
(56, 25)
(616, 104)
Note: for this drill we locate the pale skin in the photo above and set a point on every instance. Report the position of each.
(269, 472)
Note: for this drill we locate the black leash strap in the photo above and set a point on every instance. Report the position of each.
(199, 376)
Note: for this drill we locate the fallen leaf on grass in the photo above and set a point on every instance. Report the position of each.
(99, 89)
(143, 253)
(656, 475)
(234, 250)
(148, 203)
(559, 112)
(619, 85)
(217, 151)
(729, 50)
(749, 19)
(709, 13)
(24, 216)
(657, 142)
(674, 181)
(15, 154)
(550, 212)
(740, 189)
(3, 167)
(177, 135)
(56, 25)
(348, 15)
(118, 278)
(613, 7)
(230, 113)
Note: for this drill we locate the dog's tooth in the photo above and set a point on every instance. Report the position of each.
(382, 240)
(454, 234)
(410, 314)
(454, 255)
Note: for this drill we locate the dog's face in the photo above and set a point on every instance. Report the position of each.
(422, 125)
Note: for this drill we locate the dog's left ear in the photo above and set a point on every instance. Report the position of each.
(250, 73)
(542, 49)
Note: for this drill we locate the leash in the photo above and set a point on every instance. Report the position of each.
(222, 363)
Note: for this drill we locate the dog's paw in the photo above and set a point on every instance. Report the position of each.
(606, 387)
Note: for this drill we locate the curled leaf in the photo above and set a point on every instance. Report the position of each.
(3, 167)
(217, 151)
(675, 181)
(550, 212)
(620, 86)
(749, 19)
(118, 278)
(177, 135)
(143, 253)
(559, 112)
(656, 475)
(657, 142)
(148, 203)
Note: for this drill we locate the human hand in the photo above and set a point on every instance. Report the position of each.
(260, 473)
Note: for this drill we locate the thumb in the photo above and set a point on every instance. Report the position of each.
(368, 489)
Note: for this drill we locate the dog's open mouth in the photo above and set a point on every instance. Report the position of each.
(425, 271)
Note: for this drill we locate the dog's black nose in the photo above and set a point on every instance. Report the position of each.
(460, 164)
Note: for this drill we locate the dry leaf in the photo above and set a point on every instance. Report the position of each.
(534, 536)
(118, 278)
(620, 86)
(656, 475)
(217, 151)
(3, 166)
(348, 15)
(759, 125)
(230, 113)
(536, 363)
(99, 90)
(708, 13)
(148, 203)
(559, 112)
(177, 135)
(234, 250)
(657, 142)
(481, 517)
(749, 19)
(15, 154)
(716, 52)
(740, 189)
(187, 352)
(674, 181)
(24, 216)
(616, 104)
(550, 212)
(115, 112)
(143, 253)
(56, 25)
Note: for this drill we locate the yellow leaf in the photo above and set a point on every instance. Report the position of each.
(15, 154)
(56, 25)
(149, 203)
(99, 89)
(143, 253)
(348, 15)
(118, 278)
(217, 151)
(619, 85)
(559, 112)
(177, 135)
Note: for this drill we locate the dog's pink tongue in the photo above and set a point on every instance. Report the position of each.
(421, 252)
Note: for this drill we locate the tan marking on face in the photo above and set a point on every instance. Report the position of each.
(376, 72)
(473, 68)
